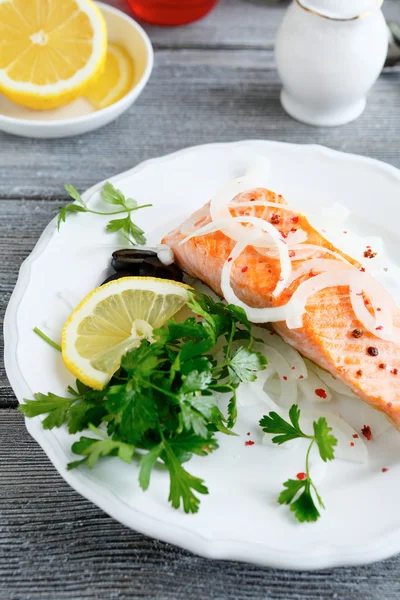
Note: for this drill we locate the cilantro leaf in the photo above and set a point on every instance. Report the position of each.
(196, 380)
(133, 409)
(75, 195)
(57, 408)
(67, 210)
(245, 364)
(293, 486)
(84, 412)
(182, 483)
(303, 505)
(111, 195)
(274, 423)
(232, 410)
(147, 463)
(186, 444)
(162, 401)
(117, 224)
(325, 441)
(93, 449)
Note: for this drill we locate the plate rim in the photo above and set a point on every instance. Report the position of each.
(321, 556)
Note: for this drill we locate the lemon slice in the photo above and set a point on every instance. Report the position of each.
(50, 50)
(113, 319)
(115, 81)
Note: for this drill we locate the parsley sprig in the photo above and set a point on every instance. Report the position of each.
(110, 195)
(161, 405)
(298, 492)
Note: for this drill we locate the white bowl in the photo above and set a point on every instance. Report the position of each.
(79, 116)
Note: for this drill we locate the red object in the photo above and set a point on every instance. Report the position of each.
(245, 269)
(171, 12)
(320, 392)
(249, 443)
(366, 431)
(351, 443)
(384, 470)
(301, 476)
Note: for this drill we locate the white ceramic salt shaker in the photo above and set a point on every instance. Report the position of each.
(329, 53)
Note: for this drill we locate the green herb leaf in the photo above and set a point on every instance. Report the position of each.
(162, 399)
(324, 439)
(147, 463)
(57, 408)
(303, 505)
(182, 483)
(246, 363)
(116, 225)
(293, 486)
(232, 411)
(67, 210)
(75, 195)
(274, 423)
(93, 449)
(111, 195)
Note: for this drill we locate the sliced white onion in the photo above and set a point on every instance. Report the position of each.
(295, 360)
(256, 315)
(358, 413)
(346, 277)
(319, 265)
(329, 380)
(219, 205)
(381, 299)
(266, 204)
(296, 237)
(313, 248)
(349, 448)
(278, 364)
(310, 385)
(191, 224)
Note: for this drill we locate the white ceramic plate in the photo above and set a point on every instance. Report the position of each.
(79, 116)
(240, 518)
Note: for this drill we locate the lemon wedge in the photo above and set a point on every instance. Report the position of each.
(115, 81)
(114, 319)
(50, 50)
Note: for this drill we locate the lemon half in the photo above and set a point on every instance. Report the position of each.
(50, 50)
(114, 319)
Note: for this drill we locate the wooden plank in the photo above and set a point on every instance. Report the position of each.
(193, 97)
(54, 545)
(233, 23)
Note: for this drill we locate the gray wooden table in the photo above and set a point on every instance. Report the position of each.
(213, 81)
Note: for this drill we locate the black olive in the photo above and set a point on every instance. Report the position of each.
(142, 263)
(123, 259)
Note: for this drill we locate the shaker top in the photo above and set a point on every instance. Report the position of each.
(341, 9)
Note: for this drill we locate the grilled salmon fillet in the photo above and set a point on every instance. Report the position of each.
(369, 365)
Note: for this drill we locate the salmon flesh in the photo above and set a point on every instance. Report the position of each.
(367, 364)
